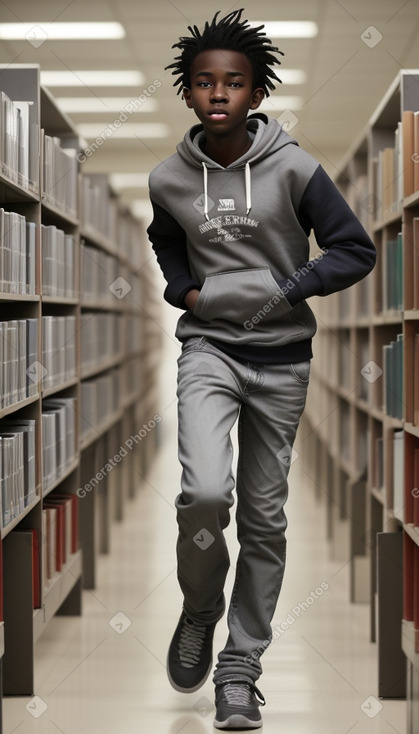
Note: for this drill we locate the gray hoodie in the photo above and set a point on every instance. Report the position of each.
(240, 235)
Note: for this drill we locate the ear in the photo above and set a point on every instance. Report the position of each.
(186, 94)
(257, 97)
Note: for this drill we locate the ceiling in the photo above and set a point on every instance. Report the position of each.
(348, 68)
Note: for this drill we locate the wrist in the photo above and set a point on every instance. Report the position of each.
(191, 298)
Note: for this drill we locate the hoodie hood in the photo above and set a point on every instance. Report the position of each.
(268, 137)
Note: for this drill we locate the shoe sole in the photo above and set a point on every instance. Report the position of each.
(187, 690)
(237, 721)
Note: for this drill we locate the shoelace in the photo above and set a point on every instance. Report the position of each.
(241, 694)
(190, 643)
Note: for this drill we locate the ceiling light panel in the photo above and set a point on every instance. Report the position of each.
(98, 105)
(61, 31)
(291, 76)
(77, 78)
(287, 28)
(92, 130)
(128, 180)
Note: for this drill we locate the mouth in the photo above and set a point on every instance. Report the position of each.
(217, 114)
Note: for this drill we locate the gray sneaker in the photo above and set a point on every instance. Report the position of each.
(237, 703)
(189, 660)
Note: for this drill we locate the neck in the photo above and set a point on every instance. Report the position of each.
(226, 149)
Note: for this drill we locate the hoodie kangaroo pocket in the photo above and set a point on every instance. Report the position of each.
(241, 296)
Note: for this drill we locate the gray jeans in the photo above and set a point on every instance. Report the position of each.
(268, 400)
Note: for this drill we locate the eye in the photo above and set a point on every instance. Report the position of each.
(204, 84)
(236, 85)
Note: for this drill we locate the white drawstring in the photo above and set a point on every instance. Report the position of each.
(205, 191)
(248, 185)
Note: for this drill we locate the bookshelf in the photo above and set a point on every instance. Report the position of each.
(78, 369)
(360, 431)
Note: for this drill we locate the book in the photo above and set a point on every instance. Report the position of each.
(12, 477)
(27, 427)
(21, 359)
(32, 372)
(386, 159)
(398, 183)
(30, 258)
(408, 151)
(378, 475)
(58, 254)
(50, 542)
(59, 532)
(393, 377)
(67, 526)
(13, 264)
(416, 154)
(49, 466)
(98, 208)
(13, 253)
(398, 475)
(19, 148)
(64, 434)
(415, 379)
(69, 348)
(58, 349)
(393, 276)
(6, 479)
(73, 499)
(408, 569)
(69, 266)
(23, 142)
(414, 489)
(415, 261)
(60, 170)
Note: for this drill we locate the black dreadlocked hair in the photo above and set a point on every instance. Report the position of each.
(233, 34)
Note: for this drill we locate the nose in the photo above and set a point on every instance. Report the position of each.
(219, 93)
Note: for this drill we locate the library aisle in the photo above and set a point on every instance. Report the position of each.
(105, 671)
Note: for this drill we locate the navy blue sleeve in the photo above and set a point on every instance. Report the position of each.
(169, 243)
(348, 252)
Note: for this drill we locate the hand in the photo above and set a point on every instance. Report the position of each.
(191, 298)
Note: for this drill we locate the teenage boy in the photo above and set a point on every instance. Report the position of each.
(233, 209)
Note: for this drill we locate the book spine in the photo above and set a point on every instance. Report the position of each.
(408, 568)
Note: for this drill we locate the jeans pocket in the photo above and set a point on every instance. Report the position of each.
(301, 371)
(193, 344)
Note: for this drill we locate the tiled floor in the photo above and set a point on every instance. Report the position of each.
(104, 672)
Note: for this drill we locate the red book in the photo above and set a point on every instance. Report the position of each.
(60, 533)
(74, 518)
(408, 561)
(415, 488)
(416, 374)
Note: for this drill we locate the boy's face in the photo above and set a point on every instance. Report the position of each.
(221, 92)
